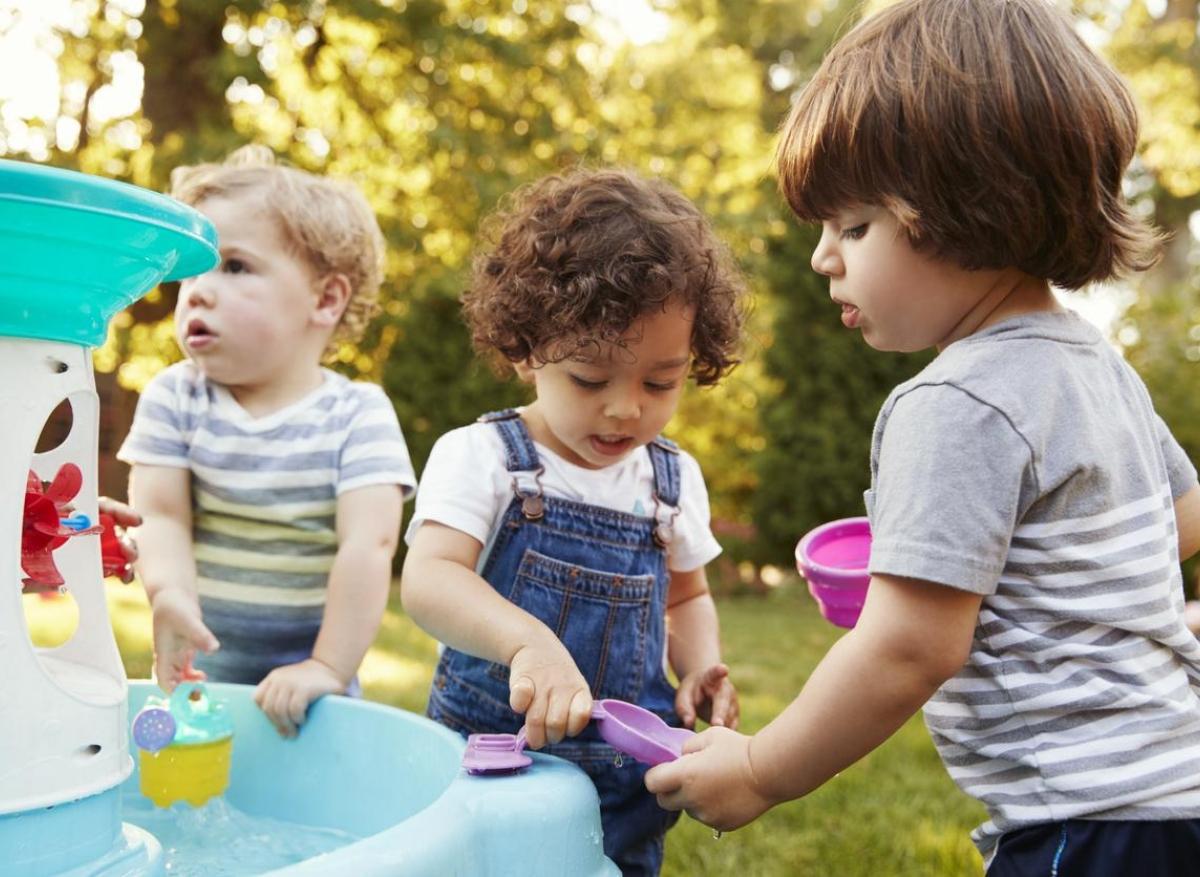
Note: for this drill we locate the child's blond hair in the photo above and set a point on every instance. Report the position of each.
(987, 127)
(328, 222)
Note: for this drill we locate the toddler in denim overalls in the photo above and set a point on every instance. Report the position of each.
(553, 547)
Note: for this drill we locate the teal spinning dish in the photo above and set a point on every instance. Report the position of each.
(75, 249)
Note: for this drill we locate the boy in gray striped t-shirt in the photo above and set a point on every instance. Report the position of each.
(271, 488)
(1029, 509)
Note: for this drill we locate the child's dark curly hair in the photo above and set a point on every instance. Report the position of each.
(574, 260)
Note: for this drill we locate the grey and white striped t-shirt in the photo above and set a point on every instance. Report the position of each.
(264, 501)
(1026, 463)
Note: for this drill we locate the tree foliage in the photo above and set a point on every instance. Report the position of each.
(437, 108)
(1160, 54)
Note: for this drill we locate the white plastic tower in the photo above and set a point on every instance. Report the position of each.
(74, 250)
(63, 728)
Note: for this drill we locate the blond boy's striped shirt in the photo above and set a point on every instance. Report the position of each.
(264, 497)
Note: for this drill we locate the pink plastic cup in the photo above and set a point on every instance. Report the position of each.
(833, 560)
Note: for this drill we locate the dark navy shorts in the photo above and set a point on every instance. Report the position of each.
(1100, 848)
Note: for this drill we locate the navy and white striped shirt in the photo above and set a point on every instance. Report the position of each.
(1026, 463)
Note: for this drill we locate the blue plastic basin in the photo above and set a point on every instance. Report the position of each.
(394, 779)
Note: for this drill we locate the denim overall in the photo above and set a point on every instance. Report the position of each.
(598, 578)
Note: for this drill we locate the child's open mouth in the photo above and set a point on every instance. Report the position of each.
(611, 446)
(198, 336)
(851, 315)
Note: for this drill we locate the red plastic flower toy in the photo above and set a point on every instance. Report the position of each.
(43, 530)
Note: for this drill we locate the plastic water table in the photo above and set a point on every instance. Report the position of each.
(74, 250)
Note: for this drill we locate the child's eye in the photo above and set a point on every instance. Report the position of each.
(235, 266)
(586, 384)
(660, 388)
(854, 233)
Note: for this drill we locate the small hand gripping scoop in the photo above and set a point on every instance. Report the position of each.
(626, 727)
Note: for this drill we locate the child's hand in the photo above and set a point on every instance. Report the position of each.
(124, 517)
(713, 780)
(178, 632)
(548, 688)
(287, 691)
(709, 694)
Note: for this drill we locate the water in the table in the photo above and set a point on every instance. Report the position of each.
(218, 840)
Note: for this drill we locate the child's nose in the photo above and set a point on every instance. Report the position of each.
(197, 291)
(622, 404)
(825, 258)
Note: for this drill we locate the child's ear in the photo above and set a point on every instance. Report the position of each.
(524, 370)
(333, 294)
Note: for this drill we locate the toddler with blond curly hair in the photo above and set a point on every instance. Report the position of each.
(271, 487)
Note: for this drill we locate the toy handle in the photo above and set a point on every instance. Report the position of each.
(78, 521)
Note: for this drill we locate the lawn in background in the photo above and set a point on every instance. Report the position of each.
(894, 814)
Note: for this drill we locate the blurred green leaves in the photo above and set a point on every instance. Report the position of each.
(437, 108)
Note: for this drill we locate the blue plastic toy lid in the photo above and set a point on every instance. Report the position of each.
(75, 249)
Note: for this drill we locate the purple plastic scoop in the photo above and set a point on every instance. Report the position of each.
(626, 727)
(637, 732)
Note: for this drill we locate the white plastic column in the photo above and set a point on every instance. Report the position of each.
(63, 711)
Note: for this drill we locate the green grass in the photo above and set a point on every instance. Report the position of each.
(894, 813)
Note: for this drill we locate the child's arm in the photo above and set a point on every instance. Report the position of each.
(1187, 522)
(167, 569)
(368, 526)
(1187, 525)
(443, 594)
(694, 652)
(912, 636)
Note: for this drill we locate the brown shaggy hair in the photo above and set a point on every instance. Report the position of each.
(987, 127)
(572, 261)
(327, 222)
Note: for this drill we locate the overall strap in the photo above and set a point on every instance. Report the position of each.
(519, 452)
(520, 459)
(664, 457)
